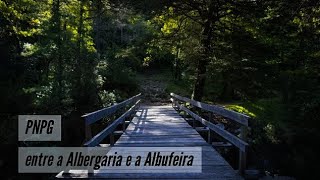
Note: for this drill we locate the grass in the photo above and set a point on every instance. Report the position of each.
(270, 119)
(241, 109)
(271, 110)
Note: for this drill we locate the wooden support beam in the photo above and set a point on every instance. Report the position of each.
(217, 128)
(117, 133)
(225, 134)
(111, 139)
(189, 119)
(243, 154)
(202, 129)
(221, 144)
(108, 130)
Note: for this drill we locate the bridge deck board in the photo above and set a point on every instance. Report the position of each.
(162, 126)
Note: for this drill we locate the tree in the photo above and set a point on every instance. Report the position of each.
(208, 15)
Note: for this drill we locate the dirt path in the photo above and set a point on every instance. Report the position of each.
(153, 89)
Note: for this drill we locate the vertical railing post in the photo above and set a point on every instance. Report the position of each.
(87, 130)
(193, 123)
(88, 133)
(88, 136)
(178, 106)
(210, 131)
(173, 102)
(243, 154)
(138, 105)
(112, 139)
(184, 112)
(124, 125)
(193, 119)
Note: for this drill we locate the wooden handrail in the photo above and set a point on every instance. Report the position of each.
(95, 116)
(238, 117)
(242, 119)
(225, 134)
(108, 130)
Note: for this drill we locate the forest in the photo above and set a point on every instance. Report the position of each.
(257, 57)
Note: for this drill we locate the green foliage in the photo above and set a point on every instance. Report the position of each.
(72, 57)
(267, 114)
(269, 131)
(179, 87)
(282, 132)
(117, 76)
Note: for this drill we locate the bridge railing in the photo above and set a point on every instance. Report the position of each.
(95, 116)
(243, 120)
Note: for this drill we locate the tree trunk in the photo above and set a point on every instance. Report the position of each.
(56, 18)
(78, 67)
(177, 70)
(97, 26)
(198, 90)
(228, 91)
(209, 19)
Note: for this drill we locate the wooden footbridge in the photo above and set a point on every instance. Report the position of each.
(177, 125)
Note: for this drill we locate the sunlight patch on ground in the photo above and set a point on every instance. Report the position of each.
(240, 109)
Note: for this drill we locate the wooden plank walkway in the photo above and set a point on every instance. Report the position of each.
(159, 126)
(162, 126)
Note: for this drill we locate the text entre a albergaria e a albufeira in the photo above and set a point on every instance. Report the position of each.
(97, 161)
